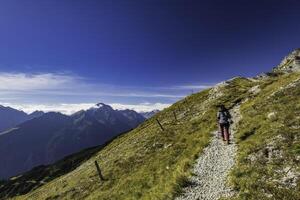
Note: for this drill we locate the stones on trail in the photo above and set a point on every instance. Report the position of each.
(209, 180)
(255, 90)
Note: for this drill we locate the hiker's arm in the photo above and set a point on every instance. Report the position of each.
(229, 115)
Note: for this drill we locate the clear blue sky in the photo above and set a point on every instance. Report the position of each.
(156, 51)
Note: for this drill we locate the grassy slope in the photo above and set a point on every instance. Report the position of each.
(148, 163)
(269, 146)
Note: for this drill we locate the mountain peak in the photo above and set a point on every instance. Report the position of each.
(291, 63)
(10, 117)
(101, 105)
(37, 112)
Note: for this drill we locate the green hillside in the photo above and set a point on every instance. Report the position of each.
(268, 163)
(151, 163)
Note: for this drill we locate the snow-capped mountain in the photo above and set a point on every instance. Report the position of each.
(55, 135)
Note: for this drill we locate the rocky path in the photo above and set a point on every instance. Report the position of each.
(212, 168)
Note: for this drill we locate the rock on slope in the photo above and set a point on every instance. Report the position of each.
(291, 63)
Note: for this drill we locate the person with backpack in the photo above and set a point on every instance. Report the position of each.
(224, 121)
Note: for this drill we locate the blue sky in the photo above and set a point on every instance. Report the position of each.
(143, 54)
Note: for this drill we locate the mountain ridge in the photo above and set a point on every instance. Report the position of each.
(10, 117)
(52, 136)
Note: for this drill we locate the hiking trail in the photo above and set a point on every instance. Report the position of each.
(209, 180)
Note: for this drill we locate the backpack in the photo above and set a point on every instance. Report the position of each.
(224, 116)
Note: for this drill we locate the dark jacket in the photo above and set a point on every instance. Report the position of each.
(223, 116)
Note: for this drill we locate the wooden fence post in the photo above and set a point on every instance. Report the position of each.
(174, 113)
(191, 108)
(99, 171)
(162, 128)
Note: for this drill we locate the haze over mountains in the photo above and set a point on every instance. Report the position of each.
(42, 138)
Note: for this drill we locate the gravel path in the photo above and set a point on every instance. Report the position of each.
(212, 167)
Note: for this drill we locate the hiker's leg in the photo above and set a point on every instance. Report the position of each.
(226, 132)
(219, 130)
(222, 131)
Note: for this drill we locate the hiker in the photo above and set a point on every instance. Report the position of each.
(224, 121)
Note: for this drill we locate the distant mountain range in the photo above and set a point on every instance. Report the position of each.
(43, 138)
(150, 114)
(10, 117)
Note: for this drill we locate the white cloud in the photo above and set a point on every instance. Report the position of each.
(50, 91)
(59, 107)
(72, 107)
(55, 84)
(29, 82)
